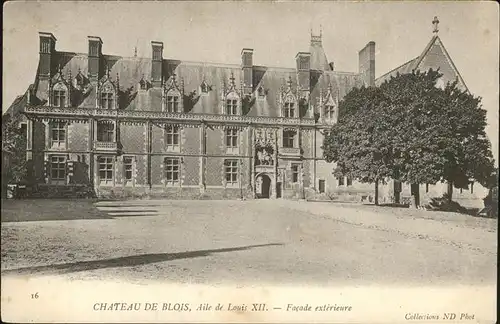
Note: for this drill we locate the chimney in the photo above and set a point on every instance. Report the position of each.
(157, 64)
(95, 54)
(47, 48)
(367, 64)
(303, 60)
(247, 67)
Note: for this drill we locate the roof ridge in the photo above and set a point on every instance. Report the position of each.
(426, 49)
(396, 68)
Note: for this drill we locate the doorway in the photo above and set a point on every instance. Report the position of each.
(266, 186)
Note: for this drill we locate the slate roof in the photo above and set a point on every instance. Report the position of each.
(131, 70)
(433, 56)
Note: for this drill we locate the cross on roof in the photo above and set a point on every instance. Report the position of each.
(435, 23)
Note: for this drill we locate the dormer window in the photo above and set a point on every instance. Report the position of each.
(261, 92)
(204, 88)
(173, 98)
(232, 101)
(231, 107)
(289, 109)
(59, 98)
(330, 112)
(107, 100)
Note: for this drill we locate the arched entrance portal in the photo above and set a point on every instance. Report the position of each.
(263, 186)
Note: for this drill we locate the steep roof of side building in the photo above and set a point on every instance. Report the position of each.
(433, 56)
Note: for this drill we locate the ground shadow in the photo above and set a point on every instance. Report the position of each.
(128, 261)
(26, 210)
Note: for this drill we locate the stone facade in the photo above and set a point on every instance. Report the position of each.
(167, 128)
(135, 126)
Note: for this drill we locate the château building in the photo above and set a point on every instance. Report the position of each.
(167, 127)
(159, 126)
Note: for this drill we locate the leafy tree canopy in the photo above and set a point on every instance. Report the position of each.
(410, 130)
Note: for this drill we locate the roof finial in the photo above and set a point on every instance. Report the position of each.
(289, 82)
(135, 51)
(232, 79)
(107, 71)
(435, 23)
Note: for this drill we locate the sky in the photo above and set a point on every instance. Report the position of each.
(216, 31)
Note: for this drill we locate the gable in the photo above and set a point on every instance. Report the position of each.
(437, 57)
(433, 57)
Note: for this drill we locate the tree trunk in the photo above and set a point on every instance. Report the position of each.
(450, 191)
(376, 192)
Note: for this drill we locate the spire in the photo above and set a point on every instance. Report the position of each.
(435, 23)
(316, 39)
(232, 80)
(319, 61)
(289, 83)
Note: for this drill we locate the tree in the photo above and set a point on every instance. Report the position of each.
(358, 143)
(441, 134)
(13, 152)
(410, 130)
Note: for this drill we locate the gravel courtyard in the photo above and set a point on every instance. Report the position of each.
(245, 242)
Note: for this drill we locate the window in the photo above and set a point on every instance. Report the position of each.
(24, 129)
(321, 186)
(106, 164)
(105, 132)
(261, 92)
(172, 137)
(59, 98)
(107, 100)
(58, 168)
(231, 171)
(289, 138)
(341, 181)
(173, 104)
(172, 171)
(58, 133)
(231, 107)
(231, 138)
(128, 163)
(204, 87)
(349, 181)
(295, 173)
(289, 110)
(330, 112)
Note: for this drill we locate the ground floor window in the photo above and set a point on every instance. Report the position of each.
(295, 173)
(340, 181)
(231, 171)
(349, 181)
(172, 171)
(58, 168)
(106, 166)
(321, 186)
(128, 169)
